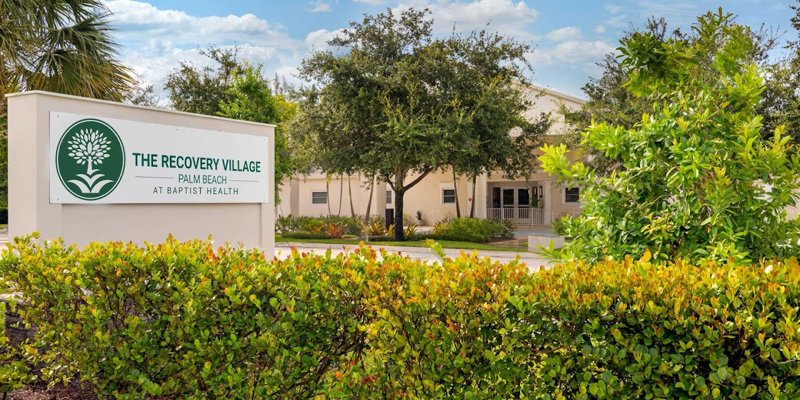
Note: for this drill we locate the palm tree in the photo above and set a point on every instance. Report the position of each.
(60, 46)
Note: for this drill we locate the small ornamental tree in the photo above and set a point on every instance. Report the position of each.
(698, 181)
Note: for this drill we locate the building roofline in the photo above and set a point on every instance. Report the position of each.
(557, 94)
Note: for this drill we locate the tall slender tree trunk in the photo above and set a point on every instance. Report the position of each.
(341, 194)
(328, 193)
(399, 193)
(369, 202)
(350, 194)
(455, 190)
(472, 204)
(399, 234)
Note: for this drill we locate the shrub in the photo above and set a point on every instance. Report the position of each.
(13, 371)
(697, 178)
(349, 225)
(377, 226)
(184, 320)
(305, 235)
(472, 230)
(560, 225)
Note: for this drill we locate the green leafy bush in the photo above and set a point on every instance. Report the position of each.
(472, 230)
(695, 179)
(305, 235)
(185, 320)
(348, 225)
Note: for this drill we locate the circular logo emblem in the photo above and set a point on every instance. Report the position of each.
(90, 159)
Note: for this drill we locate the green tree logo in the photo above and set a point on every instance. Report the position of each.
(90, 159)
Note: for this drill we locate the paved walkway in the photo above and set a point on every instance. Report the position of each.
(421, 253)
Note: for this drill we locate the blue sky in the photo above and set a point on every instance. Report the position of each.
(569, 36)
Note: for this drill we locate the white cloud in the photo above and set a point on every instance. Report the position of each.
(676, 12)
(157, 40)
(318, 40)
(320, 7)
(583, 53)
(507, 17)
(600, 29)
(564, 34)
(575, 51)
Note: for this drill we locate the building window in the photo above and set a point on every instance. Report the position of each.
(572, 195)
(448, 196)
(319, 197)
(388, 197)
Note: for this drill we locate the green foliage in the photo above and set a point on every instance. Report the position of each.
(185, 320)
(61, 46)
(560, 225)
(250, 98)
(202, 90)
(289, 223)
(237, 90)
(476, 230)
(13, 370)
(781, 102)
(695, 178)
(610, 100)
(396, 103)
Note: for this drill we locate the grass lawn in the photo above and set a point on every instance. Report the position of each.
(447, 244)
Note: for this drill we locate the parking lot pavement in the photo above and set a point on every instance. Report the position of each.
(533, 261)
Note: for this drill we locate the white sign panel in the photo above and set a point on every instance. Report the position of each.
(108, 160)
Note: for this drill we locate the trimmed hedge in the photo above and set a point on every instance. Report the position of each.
(186, 320)
(317, 225)
(476, 230)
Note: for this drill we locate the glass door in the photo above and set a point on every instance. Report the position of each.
(508, 198)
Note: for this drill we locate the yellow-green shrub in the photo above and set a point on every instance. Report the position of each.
(633, 329)
(185, 320)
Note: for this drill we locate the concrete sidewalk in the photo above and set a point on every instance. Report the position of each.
(534, 261)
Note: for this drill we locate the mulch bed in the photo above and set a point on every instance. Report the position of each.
(70, 392)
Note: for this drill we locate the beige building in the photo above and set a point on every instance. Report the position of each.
(534, 202)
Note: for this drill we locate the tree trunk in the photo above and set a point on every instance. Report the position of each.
(328, 193)
(455, 190)
(399, 234)
(341, 194)
(369, 202)
(472, 204)
(350, 193)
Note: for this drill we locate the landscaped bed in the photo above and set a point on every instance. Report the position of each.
(474, 230)
(502, 245)
(187, 320)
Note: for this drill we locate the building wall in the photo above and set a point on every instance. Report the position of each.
(296, 196)
(426, 197)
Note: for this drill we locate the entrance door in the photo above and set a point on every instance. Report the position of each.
(508, 198)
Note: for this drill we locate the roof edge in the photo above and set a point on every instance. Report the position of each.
(555, 93)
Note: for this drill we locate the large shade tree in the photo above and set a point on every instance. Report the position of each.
(61, 46)
(394, 103)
